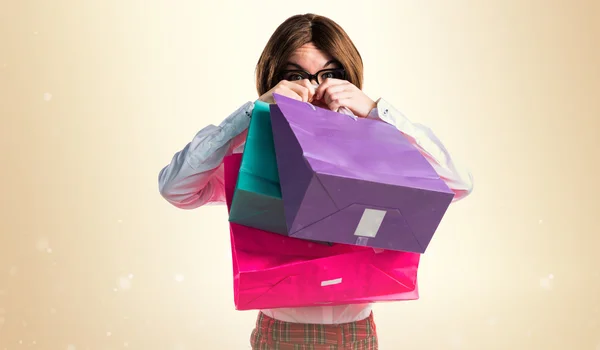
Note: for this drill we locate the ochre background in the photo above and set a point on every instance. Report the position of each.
(96, 96)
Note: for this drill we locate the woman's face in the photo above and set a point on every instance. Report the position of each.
(312, 60)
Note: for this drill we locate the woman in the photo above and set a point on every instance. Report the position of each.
(308, 58)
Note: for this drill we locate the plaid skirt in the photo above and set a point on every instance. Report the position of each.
(271, 334)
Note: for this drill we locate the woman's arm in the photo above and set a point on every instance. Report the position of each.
(195, 175)
(458, 179)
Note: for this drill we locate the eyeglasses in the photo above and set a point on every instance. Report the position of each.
(320, 76)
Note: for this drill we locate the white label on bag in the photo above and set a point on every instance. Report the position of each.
(331, 282)
(369, 223)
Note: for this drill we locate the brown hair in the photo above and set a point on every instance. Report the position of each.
(297, 31)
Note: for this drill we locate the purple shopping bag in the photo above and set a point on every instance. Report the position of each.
(357, 182)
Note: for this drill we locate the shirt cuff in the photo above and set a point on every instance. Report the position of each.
(238, 121)
(385, 112)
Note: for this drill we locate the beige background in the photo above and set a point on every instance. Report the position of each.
(96, 96)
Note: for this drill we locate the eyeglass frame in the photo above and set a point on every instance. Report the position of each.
(311, 76)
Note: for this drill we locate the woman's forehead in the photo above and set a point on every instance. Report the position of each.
(310, 57)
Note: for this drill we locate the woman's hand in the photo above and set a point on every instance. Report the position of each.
(301, 90)
(336, 93)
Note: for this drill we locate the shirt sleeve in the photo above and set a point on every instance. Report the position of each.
(459, 179)
(194, 177)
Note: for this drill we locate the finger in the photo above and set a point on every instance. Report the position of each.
(334, 105)
(323, 87)
(336, 91)
(326, 84)
(338, 96)
(308, 85)
(301, 90)
(286, 91)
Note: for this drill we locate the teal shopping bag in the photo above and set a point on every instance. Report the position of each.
(257, 198)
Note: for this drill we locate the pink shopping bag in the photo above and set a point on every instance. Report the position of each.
(274, 271)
